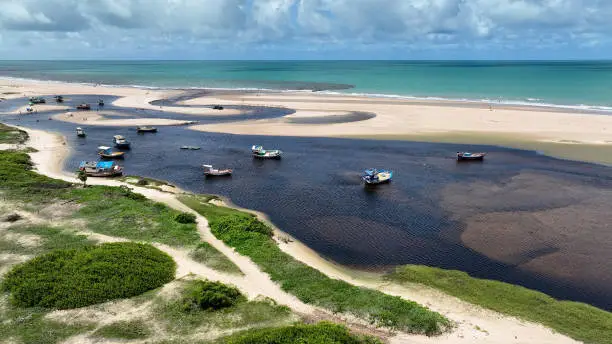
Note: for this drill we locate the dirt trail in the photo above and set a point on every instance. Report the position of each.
(474, 324)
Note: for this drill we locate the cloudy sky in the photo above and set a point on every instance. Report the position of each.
(306, 29)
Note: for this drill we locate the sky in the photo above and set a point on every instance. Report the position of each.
(306, 29)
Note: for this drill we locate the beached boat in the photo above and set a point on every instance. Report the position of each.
(190, 147)
(209, 171)
(467, 156)
(37, 100)
(101, 168)
(100, 102)
(83, 106)
(121, 142)
(106, 153)
(59, 99)
(80, 132)
(374, 176)
(259, 152)
(146, 129)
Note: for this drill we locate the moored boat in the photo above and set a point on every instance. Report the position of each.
(59, 99)
(121, 142)
(374, 176)
(80, 132)
(106, 153)
(37, 100)
(100, 102)
(146, 129)
(210, 171)
(467, 156)
(83, 106)
(190, 147)
(101, 168)
(261, 153)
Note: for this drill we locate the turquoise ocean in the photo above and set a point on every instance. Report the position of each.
(574, 84)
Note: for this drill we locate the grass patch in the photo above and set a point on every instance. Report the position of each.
(321, 333)
(179, 320)
(129, 330)
(310, 285)
(12, 135)
(81, 277)
(206, 254)
(51, 238)
(108, 210)
(577, 320)
(211, 296)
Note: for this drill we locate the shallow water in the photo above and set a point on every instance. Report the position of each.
(314, 193)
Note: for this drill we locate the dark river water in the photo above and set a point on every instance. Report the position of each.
(314, 193)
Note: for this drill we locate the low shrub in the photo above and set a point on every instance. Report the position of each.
(321, 333)
(243, 223)
(185, 218)
(135, 329)
(80, 277)
(207, 295)
(142, 182)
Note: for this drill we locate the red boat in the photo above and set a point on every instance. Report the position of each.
(467, 156)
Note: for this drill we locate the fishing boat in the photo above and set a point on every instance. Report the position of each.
(146, 129)
(467, 156)
(106, 153)
(83, 106)
(259, 152)
(121, 142)
(101, 168)
(190, 147)
(37, 100)
(209, 171)
(80, 132)
(373, 176)
(217, 107)
(59, 99)
(100, 102)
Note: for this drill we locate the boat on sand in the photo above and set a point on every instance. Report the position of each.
(146, 129)
(374, 176)
(261, 153)
(80, 132)
(467, 156)
(121, 142)
(210, 171)
(101, 168)
(106, 153)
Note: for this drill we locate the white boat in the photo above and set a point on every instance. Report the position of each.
(80, 132)
(101, 168)
(261, 153)
(121, 142)
(373, 176)
(209, 170)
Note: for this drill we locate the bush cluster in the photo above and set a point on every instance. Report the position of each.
(321, 333)
(93, 274)
(207, 295)
(185, 218)
(247, 223)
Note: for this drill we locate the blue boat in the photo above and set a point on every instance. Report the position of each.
(373, 176)
(100, 168)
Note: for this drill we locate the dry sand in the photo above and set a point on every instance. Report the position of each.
(474, 324)
(97, 119)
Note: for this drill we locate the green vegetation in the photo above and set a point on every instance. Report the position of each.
(50, 238)
(574, 319)
(12, 135)
(108, 210)
(177, 319)
(321, 333)
(211, 296)
(185, 218)
(146, 182)
(89, 275)
(134, 329)
(206, 254)
(310, 285)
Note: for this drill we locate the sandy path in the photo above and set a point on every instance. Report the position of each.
(474, 324)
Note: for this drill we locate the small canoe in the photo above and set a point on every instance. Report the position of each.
(146, 129)
(106, 153)
(190, 147)
(261, 153)
(83, 107)
(80, 132)
(209, 171)
(467, 156)
(374, 176)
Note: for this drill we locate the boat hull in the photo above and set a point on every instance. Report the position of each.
(111, 156)
(154, 130)
(104, 174)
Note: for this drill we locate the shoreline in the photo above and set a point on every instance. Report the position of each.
(470, 319)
